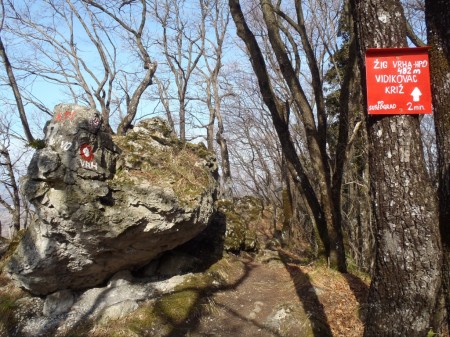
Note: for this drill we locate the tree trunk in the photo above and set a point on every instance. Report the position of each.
(225, 188)
(182, 114)
(18, 97)
(438, 20)
(326, 215)
(316, 140)
(13, 189)
(407, 272)
(352, 146)
(132, 107)
(298, 228)
(210, 132)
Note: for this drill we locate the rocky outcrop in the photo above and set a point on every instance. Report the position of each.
(105, 204)
(65, 311)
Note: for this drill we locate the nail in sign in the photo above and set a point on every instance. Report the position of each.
(398, 81)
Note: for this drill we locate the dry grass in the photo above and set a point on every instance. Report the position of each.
(179, 166)
(340, 297)
(9, 294)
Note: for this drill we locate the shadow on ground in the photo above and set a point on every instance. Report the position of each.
(308, 297)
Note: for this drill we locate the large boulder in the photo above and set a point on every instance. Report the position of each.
(105, 204)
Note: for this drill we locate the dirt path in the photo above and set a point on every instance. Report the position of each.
(274, 297)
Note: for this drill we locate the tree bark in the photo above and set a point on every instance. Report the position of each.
(438, 20)
(407, 272)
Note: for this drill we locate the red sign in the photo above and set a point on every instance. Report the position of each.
(398, 81)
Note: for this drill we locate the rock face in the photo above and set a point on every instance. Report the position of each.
(105, 204)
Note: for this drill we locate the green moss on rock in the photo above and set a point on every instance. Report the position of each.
(175, 308)
(239, 213)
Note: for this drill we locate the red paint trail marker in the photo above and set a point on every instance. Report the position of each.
(398, 81)
(86, 152)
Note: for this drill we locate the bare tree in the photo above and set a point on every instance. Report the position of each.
(57, 55)
(255, 152)
(135, 33)
(182, 44)
(216, 87)
(10, 199)
(281, 27)
(74, 45)
(415, 21)
(12, 81)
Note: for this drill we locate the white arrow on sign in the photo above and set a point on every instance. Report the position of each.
(416, 93)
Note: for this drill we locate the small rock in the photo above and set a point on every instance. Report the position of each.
(58, 303)
(290, 320)
(120, 278)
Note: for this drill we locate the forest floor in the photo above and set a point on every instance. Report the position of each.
(275, 295)
(271, 294)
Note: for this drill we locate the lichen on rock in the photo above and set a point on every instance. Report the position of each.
(108, 203)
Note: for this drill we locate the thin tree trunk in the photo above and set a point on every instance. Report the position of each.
(132, 107)
(182, 120)
(225, 163)
(13, 210)
(17, 96)
(277, 110)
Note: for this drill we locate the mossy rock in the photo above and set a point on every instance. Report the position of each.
(176, 308)
(150, 152)
(238, 214)
(107, 204)
(238, 238)
(171, 313)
